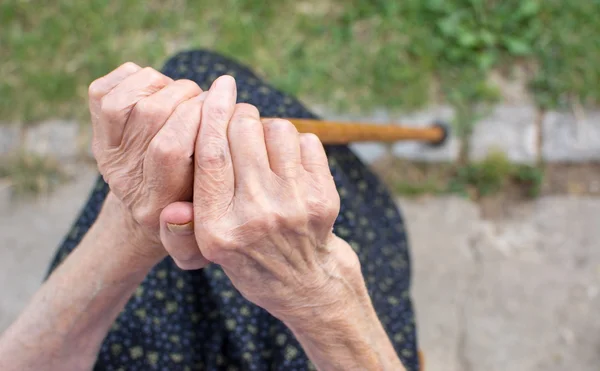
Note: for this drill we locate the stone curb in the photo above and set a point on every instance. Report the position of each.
(512, 129)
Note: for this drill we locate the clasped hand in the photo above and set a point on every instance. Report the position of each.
(261, 196)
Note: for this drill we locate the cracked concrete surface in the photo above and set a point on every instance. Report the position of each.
(517, 294)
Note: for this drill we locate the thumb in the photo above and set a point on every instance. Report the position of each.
(177, 236)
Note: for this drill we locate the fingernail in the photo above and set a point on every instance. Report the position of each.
(225, 83)
(181, 229)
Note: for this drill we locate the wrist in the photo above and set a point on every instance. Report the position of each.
(135, 244)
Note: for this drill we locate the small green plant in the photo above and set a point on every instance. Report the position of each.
(493, 174)
(487, 176)
(531, 178)
(31, 174)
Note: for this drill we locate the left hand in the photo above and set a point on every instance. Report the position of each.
(264, 207)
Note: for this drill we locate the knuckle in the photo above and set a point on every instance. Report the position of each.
(247, 109)
(129, 67)
(217, 111)
(165, 149)
(188, 85)
(112, 108)
(152, 76)
(325, 209)
(145, 216)
(150, 109)
(244, 123)
(283, 126)
(96, 89)
(212, 155)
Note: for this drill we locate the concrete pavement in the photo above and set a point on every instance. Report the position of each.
(522, 293)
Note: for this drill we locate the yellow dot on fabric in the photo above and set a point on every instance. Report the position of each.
(190, 298)
(115, 326)
(195, 317)
(291, 352)
(244, 96)
(176, 357)
(398, 337)
(121, 369)
(342, 232)
(171, 307)
(219, 67)
(362, 186)
(406, 352)
(252, 329)
(247, 356)
(159, 295)
(174, 338)
(355, 246)
(220, 360)
(182, 69)
(227, 294)
(245, 311)
(180, 284)
(156, 321)
(152, 358)
(371, 235)
(362, 221)
(263, 90)
(116, 349)
(140, 313)
(136, 352)
(280, 339)
(139, 291)
(387, 251)
(74, 232)
(311, 366)
(187, 368)
(343, 192)
(230, 324)
(251, 346)
(162, 274)
(232, 368)
(200, 69)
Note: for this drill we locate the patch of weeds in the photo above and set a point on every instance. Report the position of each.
(530, 178)
(430, 187)
(31, 174)
(494, 174)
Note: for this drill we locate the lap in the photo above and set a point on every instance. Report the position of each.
(197, 318)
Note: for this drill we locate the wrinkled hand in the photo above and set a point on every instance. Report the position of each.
(145, 127)
(264, 205)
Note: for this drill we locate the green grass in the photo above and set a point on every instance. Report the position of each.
(348, 55)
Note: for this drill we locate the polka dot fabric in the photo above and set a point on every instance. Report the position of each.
(196, 320)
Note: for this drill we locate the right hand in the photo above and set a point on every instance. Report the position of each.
(145, 127)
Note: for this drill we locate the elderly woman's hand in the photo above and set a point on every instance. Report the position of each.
(145, 127)
(265, 203)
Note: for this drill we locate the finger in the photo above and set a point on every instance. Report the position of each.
(103, 85)
(247, 146)
(177, 236)
(313, 156)
(151, 113)
(213, 178)
(170, 151)
(117, 105)
(283, 147)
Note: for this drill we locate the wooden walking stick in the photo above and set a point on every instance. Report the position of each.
(336, 132)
